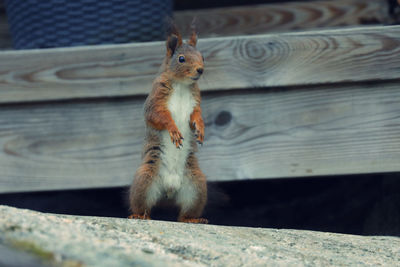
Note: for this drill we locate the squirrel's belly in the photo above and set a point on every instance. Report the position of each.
(173, 163)
(173, 160)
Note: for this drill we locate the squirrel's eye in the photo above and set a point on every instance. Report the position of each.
(181, 59)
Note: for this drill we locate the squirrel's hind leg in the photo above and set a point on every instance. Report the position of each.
(192, 197)
(144, 192)
(144, 216)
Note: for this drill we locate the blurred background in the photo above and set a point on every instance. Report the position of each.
(71, 126)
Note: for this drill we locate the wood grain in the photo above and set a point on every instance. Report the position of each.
(286, 16)
(250, 134)
(293, 59)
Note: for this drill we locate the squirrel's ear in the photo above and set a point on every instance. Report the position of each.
(172, 44)
(174, 38)
(193, 38)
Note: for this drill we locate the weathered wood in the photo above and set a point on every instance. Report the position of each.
(249, 134)
(280, 17)
(291, 59)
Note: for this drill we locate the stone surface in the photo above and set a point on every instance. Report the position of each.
(99, 241)
(11, 257)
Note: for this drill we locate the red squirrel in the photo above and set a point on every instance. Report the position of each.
(169, 168)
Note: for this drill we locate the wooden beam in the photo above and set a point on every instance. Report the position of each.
(275, 60)
(286, 16)
(250, 134)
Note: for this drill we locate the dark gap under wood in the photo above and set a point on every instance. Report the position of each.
(356, 204)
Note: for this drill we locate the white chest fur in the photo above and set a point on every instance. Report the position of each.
(172, 169)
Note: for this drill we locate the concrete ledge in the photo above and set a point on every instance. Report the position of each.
(95, 241)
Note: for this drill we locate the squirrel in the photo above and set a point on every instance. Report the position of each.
(174, 126)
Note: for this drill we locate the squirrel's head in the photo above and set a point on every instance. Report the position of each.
(183, 61)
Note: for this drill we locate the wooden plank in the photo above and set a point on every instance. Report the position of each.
(281, 17)
(250, 134)
(292, 59)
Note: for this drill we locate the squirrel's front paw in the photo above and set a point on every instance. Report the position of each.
(199, 131)
(176, 137)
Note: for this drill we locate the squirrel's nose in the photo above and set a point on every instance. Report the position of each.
(200, 70)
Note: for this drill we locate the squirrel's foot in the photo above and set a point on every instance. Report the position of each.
(139, 216)
(194, 220)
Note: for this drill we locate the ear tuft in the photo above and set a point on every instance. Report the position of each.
(173, 30)
(172, 44)
(193, 38)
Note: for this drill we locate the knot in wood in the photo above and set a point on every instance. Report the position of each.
(223, 118)
(255, 50)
